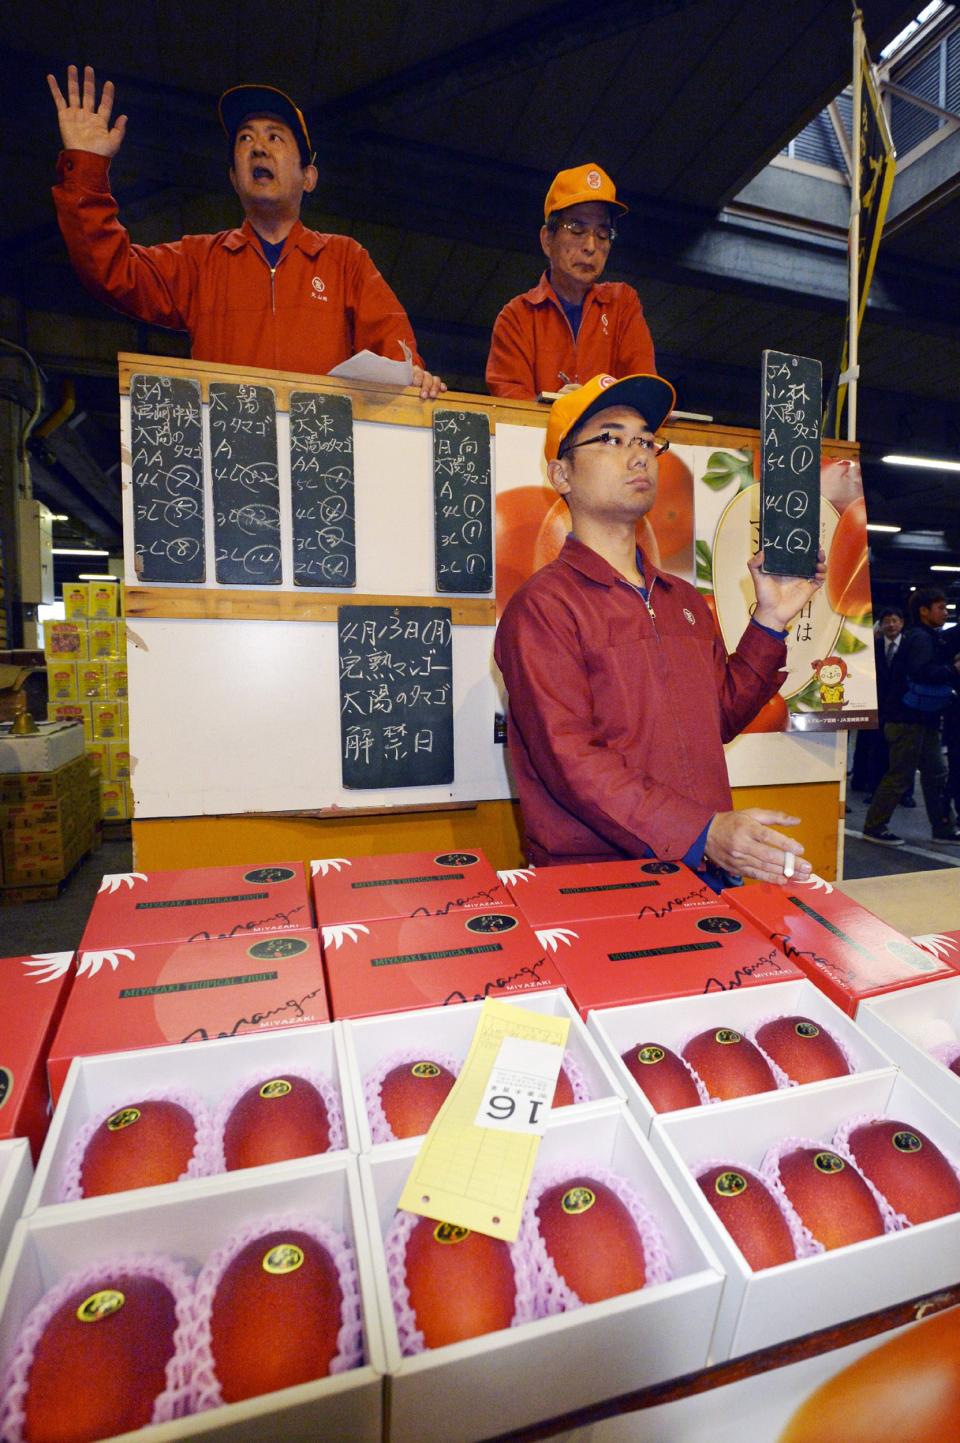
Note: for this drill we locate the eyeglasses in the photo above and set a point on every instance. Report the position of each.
(647, 443)
(579, 228)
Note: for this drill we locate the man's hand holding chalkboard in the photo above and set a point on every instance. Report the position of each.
(85, 125)
(743, 843)
(781, 598)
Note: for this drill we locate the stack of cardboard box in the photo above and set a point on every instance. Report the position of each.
(87, 682)
(48, 821)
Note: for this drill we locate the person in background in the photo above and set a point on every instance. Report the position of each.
(621, 695)
(572, 325)
(870, 756)
(271, 294)
(922, 685)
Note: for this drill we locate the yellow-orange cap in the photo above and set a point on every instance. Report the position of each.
(582, 183)
(240, 101)
(652, 396)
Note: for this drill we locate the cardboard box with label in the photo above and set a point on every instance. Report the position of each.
(615, 961)
(148, 995)
(62, 682)
(842, 947)
(551, 895)
(34, 991)
(396, 963)
(197, 905)
(407, 884)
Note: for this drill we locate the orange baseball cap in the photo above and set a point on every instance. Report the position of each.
(652, 396)
(241, 101)
(583, 183)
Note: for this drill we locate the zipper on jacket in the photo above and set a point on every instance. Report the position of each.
(273, 293)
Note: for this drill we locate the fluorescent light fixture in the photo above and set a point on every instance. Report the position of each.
(930, 463)
(77, 551)
(55, 517)
(881, 526)
(945, 568)
(96, 576)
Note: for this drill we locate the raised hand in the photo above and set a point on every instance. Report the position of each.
(84, 125)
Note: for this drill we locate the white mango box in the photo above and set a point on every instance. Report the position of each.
(907, 1024)
(16, 1170)
(212, 1071)
(369, 1042)
(761, 1308)
(511, 1378)
(672, 1021)
(190, 1227)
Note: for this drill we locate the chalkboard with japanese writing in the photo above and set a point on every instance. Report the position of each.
(246, 486)
(462, 501)
(396, 696)
(166, 463)
(790, 463)
(321, 481)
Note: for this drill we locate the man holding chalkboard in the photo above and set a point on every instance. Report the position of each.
(572, 325)
(621, 694)
(271, 294)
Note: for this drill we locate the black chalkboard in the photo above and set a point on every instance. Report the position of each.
(246, 487)
(321, 481)
(462, 501)
(166, 451)
(790, 412)
(396, 696)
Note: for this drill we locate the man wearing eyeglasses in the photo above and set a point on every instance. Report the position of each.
(621, 694)
(572, 325)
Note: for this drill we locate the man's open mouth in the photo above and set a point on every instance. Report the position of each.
(262, 172)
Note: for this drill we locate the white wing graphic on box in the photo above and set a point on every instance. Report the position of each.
(516, 874)
(113, 881)
(328, 864)
(817, 883)
(551, 937)
(48, 966)
(939, 944)
(91, 962)
(336, 936)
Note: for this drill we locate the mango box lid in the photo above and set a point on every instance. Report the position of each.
(198, 905)
(148, 996)
(404, 884)
(550, 895)
(847, 951)
(34, 991)
(614, 961)
(398, 963)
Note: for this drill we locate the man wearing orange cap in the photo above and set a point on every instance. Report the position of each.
(572, 325)
(621, 694)
(271, 294)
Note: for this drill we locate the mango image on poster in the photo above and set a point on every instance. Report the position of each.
(672, 513)
(907, 1390)
(848, 567)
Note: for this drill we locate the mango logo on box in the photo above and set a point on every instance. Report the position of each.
(491, 922)
(6, 1084)
(277, 947)
(660, 869)
(269, 874)
(719, 924)
(456, 859)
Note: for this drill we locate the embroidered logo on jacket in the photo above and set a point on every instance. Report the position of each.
(319, 286)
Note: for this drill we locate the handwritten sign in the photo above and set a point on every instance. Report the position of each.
(321, 479)
(246, 486)
(790, 463)
(462, 499)
(396, 696)
(166, 450)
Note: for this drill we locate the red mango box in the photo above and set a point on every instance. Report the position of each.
(404, 884)
(945, 945)
(129, 997)
(34, 992)
(399, 963)
(549, 895)
(847, 951)
(614, 961)
(197, 905)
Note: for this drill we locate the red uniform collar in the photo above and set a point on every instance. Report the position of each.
(544, 294)
(311, 242)
(593, 566)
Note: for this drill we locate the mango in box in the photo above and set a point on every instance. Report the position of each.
(91, 680)
(102, 600)
(62, 681)
(102, 640)
(107, 720)
(75, 596)
(65, 640)
(116, 683)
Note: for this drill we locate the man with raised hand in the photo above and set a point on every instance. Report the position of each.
(621, 695)
(270, 294)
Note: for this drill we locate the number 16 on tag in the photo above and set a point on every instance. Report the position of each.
(520, 1087)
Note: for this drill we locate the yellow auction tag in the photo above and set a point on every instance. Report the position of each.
(475, 1165)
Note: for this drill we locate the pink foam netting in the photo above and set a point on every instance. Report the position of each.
(380, 1129)
(326, 1089)
(770, 1170)
(554, 1295)
(395, 1246)
(945, 1052)
(803, 1245)
(206, 1389)
(199, 1165)
(173, 1402)
(841, 1142)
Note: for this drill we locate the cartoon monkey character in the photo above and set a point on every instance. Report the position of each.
(830, 676)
